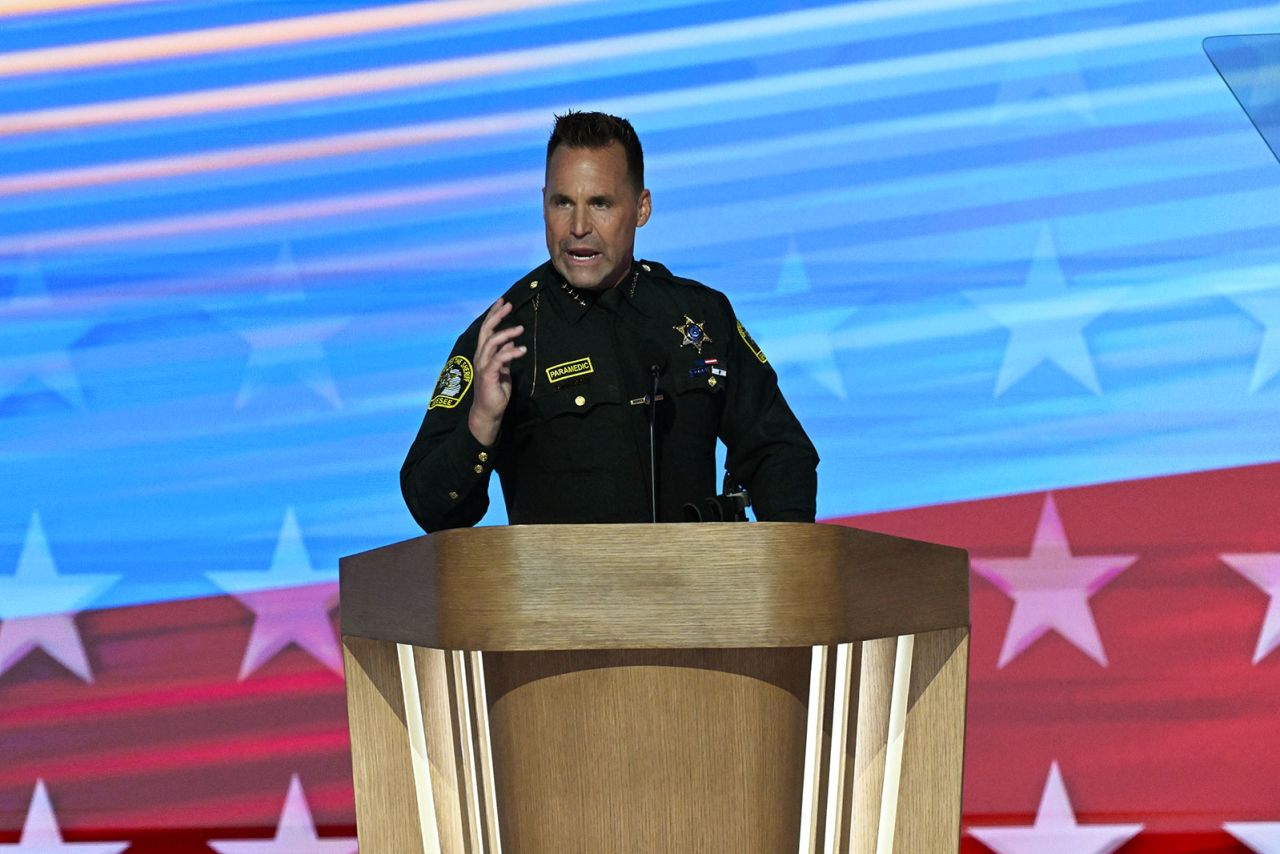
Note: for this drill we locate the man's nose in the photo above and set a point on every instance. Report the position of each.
(580, 225)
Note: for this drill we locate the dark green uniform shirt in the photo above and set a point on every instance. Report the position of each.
(574, 443)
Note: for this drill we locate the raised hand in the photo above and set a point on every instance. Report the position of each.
(495, 351)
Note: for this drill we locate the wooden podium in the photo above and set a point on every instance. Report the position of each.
(765, 687)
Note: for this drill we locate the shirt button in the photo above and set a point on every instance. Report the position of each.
(483, 457)
(533, 286)
(479, 469)
(580, 400)
(453, 496)
(645, 267)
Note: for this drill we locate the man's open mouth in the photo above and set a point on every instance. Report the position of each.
(582, 255)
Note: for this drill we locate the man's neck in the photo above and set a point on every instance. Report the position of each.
(622, 277)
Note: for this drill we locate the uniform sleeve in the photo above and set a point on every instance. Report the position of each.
(445, 477)
(769, 452)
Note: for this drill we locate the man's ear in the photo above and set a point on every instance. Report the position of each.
(644, 207)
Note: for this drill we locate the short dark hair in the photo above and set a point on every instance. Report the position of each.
(599, 130)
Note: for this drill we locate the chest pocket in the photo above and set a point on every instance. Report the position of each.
(561, 409)
(565, 430)
(572, 388)
(575, 401)
(699, 379)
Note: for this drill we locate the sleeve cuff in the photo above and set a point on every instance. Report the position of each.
(469, 465)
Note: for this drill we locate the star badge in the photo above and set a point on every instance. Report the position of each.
(692, 334)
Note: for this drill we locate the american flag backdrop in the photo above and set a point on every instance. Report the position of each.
(1017, 263)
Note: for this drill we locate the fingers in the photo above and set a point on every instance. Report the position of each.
(491, 339)
(495, 343)
(496, 349)
(508, 354)
(502, 336)
(492, 318)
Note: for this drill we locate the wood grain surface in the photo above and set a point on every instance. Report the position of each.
(444, 750)
(840, 778)
(647, 687)
(651, 586)
(386, 803)
(872, 726)
(933, 751)
(644, 757)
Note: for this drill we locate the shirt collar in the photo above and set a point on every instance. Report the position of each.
(571, 301)
(575, 303)
(639, 290)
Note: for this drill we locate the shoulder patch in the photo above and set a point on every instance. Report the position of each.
(454, 383)
(751, 343)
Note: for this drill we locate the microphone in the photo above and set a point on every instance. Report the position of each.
(653, 355)
(729, 506)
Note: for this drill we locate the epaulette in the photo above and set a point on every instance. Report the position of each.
(659, 271)
(529, 285)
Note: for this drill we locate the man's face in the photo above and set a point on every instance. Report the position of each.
(592, 213)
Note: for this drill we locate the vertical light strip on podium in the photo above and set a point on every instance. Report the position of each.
(838, 776)
(810, 820)
(893, 748)
(416, 730)
(462, 709)
(880, 698)
(487, 791)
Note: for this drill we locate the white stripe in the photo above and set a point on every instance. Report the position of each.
(414, 198)
(893, 750)
(464, 713)
(812, 750)
(418, 750)
(518, 62)
(256, 35)
(486, 782)
(836, 775)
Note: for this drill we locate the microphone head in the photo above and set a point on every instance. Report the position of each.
(653, 356)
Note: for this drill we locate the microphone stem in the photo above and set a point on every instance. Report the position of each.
(653, 445)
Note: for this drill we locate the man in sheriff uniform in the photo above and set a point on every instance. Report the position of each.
(551, 387)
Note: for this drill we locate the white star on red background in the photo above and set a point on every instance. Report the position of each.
(1263, 569)
(290, 601)
(1055, 830)
(295, 834)
(38, 606)
(40, 833)
(1261, 836)
(1050, 589)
